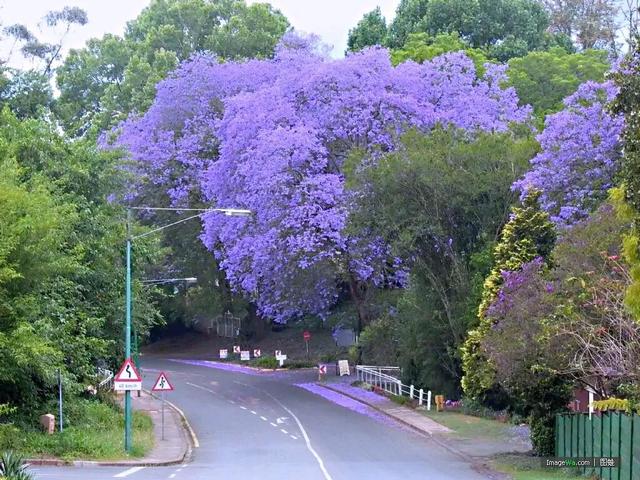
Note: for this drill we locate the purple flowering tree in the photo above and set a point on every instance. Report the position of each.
(580, 155)
(273, 136)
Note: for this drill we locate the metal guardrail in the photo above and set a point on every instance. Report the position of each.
(374, 375)
(107, 381)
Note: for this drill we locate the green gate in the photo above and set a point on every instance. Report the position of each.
(608, 434)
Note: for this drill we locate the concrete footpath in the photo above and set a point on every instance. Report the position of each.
(179, 439)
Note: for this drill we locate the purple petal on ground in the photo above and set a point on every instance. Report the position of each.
(365, 395)
(349, 403)
(229, 367)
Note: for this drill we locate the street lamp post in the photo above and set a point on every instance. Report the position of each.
(128, 296)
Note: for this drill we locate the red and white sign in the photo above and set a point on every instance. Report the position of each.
(257, 353)
(127, 378)
(162, 384)
(223, 353)
(306, 335)
(236, 349)
(322, 369)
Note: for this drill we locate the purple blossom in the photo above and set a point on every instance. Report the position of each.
(272, 136)
(580, 155)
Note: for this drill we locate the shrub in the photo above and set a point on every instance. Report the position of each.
(266, 362)
(12, 467)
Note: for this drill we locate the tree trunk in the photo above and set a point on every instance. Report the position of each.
(358, 293)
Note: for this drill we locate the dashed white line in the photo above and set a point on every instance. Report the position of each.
(325, 473)
(128, 472)
(263, 418)
(173, 475)
(254, 412)
(273, 424)
(244, 408)
(231, 401)
(294, 437)
(284, 431)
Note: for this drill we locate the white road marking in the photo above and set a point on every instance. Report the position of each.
(273, 424)
(294, 437)
(254, 412)
(263, 418)
(306, 438)
(231, 401)
(284, 431)
(128, 472)
(244, 408)
(172, 475)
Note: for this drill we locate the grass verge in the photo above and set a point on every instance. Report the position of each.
(528, 467)
(93, 431)
(469, 426)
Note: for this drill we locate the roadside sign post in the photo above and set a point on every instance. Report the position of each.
(322, 372)
(162, 385)
(307, 336)
(127, 378)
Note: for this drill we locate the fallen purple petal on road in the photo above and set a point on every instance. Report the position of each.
(229, 367)
(350, 403)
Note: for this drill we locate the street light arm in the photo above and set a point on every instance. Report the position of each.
(226, 211)
(166, 226)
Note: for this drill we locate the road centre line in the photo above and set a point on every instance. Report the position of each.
(128, 472)
(304, 434)
(273, 424)
(284, 431)
(254, 412)
(263, 418)
(294, 437)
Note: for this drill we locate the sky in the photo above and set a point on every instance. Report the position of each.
(331, 19)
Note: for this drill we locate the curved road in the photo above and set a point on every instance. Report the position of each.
(278, 427)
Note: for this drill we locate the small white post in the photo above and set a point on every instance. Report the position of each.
(429, 400)
(399, 388)
(411, 392)
(590, 403)
(420, 396)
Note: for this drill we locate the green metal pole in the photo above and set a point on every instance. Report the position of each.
(127, 339)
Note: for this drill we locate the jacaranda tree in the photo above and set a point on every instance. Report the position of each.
(580, 155)
(273, 135)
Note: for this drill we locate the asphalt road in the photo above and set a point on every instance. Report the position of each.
(267, 427)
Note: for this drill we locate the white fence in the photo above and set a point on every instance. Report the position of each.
(382, 377)
(107, 378)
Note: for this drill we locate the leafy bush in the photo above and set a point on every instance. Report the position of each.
(266, 362)
(293, 364)
(543, 434)
(400, 400)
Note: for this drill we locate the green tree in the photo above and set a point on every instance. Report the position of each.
(544, 79)
(421, 47)
(113, 76)
(371, 30)
(438, 202)
(61, 262)
(528, 234)
(507, 28)
(409, 14)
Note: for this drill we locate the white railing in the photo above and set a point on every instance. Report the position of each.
(374, 375)
(107, 378)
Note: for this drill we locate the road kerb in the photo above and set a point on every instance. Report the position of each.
(185, 423)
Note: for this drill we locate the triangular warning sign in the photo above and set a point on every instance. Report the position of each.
(127, 373)
(162, 384)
